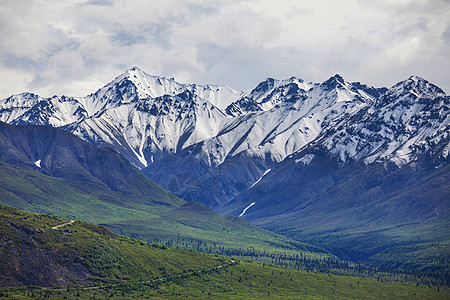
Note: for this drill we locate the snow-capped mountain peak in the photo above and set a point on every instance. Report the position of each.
(156, 86)
(160, 124)
(418, 87)
(407, 120)
(333, 82)
(268, 94)
(152, 86)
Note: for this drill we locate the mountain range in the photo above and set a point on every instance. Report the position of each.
(360, 170)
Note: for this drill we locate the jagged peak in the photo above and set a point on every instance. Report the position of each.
(271, 83)
(416, 81)
(131, 72)
(416, 78)
(333, 82)
(145, 85)
(338, 78)
(135, 68)
(265, 85)
(136, 72)
(417, 86)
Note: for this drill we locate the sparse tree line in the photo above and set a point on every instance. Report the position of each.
(319, 264)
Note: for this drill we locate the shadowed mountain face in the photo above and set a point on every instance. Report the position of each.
(357, 211)
(58, 153)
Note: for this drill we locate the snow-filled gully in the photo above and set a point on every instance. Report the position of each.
(245, 209)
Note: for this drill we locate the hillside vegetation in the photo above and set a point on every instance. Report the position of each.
(83, 261)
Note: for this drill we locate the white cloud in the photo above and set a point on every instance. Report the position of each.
(74, 47)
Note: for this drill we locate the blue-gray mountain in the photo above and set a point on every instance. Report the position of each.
(353, 167)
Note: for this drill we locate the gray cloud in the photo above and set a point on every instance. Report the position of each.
(74, 47)
(99, 2)
(446, 35)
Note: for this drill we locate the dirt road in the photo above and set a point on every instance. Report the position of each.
(57, 226)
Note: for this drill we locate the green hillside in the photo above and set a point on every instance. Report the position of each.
(160, 218)
(47, 256)
(83, 261)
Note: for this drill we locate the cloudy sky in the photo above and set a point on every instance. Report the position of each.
(74, 47)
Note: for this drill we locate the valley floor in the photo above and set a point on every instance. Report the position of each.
(240, 280)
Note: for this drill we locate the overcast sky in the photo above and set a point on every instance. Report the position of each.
(75, 47)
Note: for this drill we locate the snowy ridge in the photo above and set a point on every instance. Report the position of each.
(291, 124)
(155, 126)
(397, 128)
(148, 118)
(267, 95)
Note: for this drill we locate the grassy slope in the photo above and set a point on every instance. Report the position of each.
(176, 222)
(30, 190)
(196, 226)
(104, 254)
(127, 268)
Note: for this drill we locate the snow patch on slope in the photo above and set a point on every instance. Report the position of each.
(305, 160)
(265, 173)
(245, 209)
(38, 163)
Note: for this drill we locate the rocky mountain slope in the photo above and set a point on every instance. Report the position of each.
(408, 125)
(57, 153)
(377, 183)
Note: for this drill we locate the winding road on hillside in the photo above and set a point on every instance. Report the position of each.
(231, 262)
